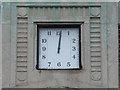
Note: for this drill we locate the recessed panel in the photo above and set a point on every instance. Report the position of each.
(58, 47)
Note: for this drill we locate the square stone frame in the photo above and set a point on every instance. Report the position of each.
(108, 53)
(62, 25)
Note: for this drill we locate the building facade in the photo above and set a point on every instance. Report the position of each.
(98, 54)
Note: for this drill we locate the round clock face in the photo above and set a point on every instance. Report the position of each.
(58, 48)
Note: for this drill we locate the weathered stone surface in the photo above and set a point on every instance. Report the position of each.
(99, 44)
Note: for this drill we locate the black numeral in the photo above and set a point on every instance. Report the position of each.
(49, 63)
(68, 33)
(44, 40)
(43, 57)
(59, 64)
(49, 32)
(73, 40)
(74, 56)
(68, 64)
(43, 48)
(58, 33)
(73, 48)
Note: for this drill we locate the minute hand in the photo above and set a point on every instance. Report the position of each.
(59, 42)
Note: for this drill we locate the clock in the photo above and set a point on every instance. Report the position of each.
(58, 47)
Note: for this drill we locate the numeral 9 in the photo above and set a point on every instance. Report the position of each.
(43, 48)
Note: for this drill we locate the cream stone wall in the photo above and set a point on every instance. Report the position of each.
(99, 44)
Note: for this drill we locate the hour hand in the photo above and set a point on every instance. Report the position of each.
(59, 42)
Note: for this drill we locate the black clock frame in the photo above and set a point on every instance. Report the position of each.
(59, 26)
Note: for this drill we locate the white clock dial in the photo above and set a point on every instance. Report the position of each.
(58, 48)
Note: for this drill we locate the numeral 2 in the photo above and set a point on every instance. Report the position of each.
(73, 40)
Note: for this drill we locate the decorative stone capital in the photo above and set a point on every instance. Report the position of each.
(96, 76)
(95, 11)
(22, 11)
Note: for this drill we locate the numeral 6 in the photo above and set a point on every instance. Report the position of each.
(59, 64)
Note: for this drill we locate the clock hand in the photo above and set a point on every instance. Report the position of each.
(59, 42)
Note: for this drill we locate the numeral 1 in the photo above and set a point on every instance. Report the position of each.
(68, 33)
